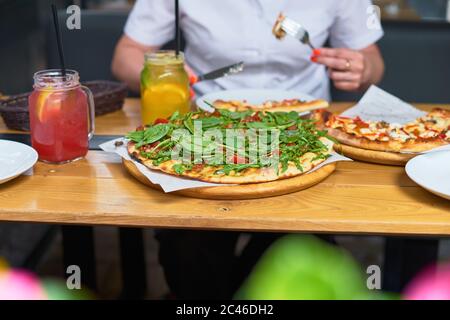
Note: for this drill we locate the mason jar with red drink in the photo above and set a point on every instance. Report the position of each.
(61, 116)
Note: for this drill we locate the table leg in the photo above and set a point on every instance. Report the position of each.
(78, 244)
(132, 258)
(404, 258)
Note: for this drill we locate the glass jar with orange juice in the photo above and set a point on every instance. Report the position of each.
(61, 116)
(164, 86)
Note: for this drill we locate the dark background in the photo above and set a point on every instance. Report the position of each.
(416, 51)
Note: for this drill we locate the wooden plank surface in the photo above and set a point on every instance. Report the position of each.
(127, 119)
(358, 198)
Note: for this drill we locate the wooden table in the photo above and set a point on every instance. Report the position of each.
(359, 198)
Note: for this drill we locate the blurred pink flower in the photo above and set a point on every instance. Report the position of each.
(20, 285)
(431, 284)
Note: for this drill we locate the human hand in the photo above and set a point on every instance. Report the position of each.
(348, 68)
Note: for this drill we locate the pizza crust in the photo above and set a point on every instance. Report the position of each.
(277, 29)
(387, 158)
(243, 191)
(297, 107)
(384, 146)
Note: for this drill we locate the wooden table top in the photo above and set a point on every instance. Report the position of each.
(359, 198)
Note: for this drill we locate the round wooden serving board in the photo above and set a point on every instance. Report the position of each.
(389, 158)
(244, 191)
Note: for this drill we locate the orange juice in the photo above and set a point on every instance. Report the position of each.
(164, 86)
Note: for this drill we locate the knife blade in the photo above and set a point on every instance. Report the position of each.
(222, 72)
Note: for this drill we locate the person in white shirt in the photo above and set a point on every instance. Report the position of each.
(219, 33)
(201, 264)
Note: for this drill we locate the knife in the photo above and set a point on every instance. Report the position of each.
(219, 73)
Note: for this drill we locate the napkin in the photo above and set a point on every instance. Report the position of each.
(167, 182)
(170, 183)
(379, 105)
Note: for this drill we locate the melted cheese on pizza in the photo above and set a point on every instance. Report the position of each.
(435, 125)
(243, 104)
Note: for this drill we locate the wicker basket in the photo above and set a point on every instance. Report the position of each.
(109, 96)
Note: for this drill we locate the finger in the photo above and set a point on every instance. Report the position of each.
(335, 53)
(342, 53)
(346, 85)
(192, 76)
(345, 76)
(326, 52)
(333, 63)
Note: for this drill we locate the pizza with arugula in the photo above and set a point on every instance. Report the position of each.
(300, 146)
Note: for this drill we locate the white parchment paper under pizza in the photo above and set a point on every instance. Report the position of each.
(170, 183)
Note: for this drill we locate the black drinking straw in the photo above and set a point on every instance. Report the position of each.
(59, 41)
(177, 27)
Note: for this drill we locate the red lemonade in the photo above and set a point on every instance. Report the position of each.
(59, 122)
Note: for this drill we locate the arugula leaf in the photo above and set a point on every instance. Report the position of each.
(180, 168)
(258, 125)
(188, 123)
(282, 118)
(238, 115)
(225, 113)
(228, 168)
(293, 116)
(174, 116)
(135, 136)
(153, 134)
(211, 122)
(161, 158)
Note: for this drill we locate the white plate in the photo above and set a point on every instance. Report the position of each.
(15, 159)
(432, 172)
(253, 96)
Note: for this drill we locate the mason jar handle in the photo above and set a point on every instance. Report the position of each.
(91, 107)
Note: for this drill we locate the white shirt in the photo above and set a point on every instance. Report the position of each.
(222, 32)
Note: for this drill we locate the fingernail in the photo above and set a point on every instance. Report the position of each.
(314, 59)
(317, 52)
(192, 79)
